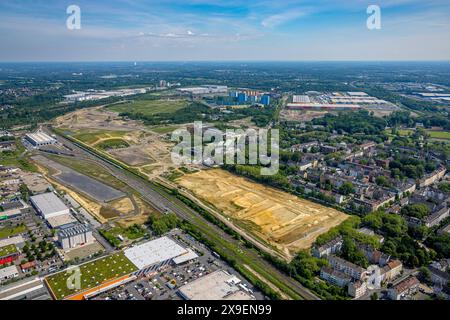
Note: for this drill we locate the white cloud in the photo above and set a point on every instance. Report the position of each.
(277, 19)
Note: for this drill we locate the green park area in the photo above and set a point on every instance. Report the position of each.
(93, 136)
(93, 274)
(131, 233)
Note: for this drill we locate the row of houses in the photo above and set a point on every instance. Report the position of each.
(343, 273)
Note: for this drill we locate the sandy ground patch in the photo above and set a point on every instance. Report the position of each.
(83, 251)
(301, 115)
(95, 117)
(140, 218)
(281, 219)
(124, 206)
(133, 156)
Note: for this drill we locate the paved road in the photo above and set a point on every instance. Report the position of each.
(164, 201)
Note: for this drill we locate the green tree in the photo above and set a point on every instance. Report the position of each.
(346, 188)
(417, 210)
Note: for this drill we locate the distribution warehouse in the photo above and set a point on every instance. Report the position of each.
(39, 139)
(49, 205)
(152, 255)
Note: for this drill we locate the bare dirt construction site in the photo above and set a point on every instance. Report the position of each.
(301, 115)
(282, 220)
(308, 115)
(127, 140)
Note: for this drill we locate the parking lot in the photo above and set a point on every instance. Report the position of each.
(164, 285)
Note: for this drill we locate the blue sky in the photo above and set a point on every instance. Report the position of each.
(147, 30)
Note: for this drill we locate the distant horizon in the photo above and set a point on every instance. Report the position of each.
(219, 30)
(226, 61)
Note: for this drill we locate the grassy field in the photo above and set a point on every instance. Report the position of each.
(8, 232)
(405, 132)
(163, 129)
(7, 250)
(12, 158)
(92, 274)
(150, 107)
(439, 135)
(131, 233)
(112, 144)
(442, 135)
(92, 137)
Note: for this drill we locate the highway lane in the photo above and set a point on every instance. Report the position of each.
(163, 201)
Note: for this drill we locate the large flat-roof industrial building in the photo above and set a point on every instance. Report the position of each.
(49, 205)
(71, 236)
(150, 256)
(219, 285)
(39, 139)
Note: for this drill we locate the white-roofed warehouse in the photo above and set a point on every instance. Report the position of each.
(49, 205)
(39, 139)
(152, 255)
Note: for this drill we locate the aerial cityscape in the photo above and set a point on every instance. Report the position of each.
(198, 171)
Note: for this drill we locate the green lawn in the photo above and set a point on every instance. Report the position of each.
(13, 159)
(150, 107)
(131, 233)
(439, 135)
(444, 135)
(93, 274)
(91, 137)
(405, 132)
(7, 250)
(8, 232)
(163, 129)
(112, 144)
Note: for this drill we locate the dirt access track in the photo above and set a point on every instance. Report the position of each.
(284, 221)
